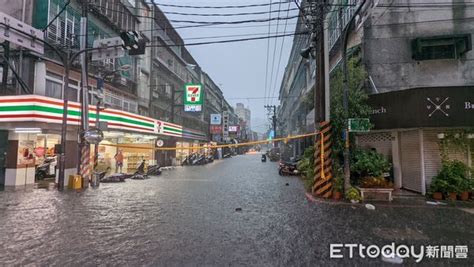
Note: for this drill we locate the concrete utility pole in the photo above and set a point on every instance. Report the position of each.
(62, 156)
(85, 147)
(319, 44)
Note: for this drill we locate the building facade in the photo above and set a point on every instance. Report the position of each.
(419, 63)
(143, 94)
(296, 111)
(245, 117)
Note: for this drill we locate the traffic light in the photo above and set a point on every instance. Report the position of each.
(133, 43)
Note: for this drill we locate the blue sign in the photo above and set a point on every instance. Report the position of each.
(216, 119)
(271, 135)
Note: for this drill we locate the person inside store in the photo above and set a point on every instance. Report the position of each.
(118, 161)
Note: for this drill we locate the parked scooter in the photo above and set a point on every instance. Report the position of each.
(209, 158)
(288, 168)
(114, 178)
(154, 170)
(200, 160)
(42, 171)
(140, 173)
(190, 159)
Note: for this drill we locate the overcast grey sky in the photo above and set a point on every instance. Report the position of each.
(239, 67)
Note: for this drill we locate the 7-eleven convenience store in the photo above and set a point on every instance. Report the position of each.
(30, 127)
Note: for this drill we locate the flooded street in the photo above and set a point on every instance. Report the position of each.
(188, 216)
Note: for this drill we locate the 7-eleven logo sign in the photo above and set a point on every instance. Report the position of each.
(193, 94)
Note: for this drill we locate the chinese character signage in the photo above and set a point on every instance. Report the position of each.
(233, 128)
(216, 129)
(193, 97)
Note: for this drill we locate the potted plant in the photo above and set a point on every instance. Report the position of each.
(369, 163)
(465, 188)
(453, 195)
(452, 179)
(353, 195)
(338, 187)
(438, 187)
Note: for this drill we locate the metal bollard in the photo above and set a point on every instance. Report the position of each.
(95, 181)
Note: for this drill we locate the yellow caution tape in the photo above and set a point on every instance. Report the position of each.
(214, 146)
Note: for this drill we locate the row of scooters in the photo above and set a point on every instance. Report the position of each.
(201, 159)
(197, 159)
(140, 174)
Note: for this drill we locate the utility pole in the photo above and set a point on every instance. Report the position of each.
(100, 87)
(84, 147)
(62, 156)
(318, 42)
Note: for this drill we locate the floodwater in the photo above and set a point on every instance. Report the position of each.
(188, 216)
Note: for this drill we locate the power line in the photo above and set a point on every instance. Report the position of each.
(222, 15)
(240, 27)
(188, 14)
(270, 89)
(221, 7)
(232, 40)
(281, 52)
(202, 23)
(268, 49)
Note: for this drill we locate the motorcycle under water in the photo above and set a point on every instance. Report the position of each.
(288, 168)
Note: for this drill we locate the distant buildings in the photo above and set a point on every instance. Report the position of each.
(244, 115)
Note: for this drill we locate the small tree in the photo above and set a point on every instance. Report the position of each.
(358, 107)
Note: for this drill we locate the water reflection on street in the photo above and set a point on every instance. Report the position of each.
(188, 216)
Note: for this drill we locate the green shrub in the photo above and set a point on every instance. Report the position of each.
(369, 163)
(353, 194)
(306, 167)
(453, 177)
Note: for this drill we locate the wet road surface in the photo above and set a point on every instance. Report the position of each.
(188, 217)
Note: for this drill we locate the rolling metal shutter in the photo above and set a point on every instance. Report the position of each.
(411, 160)
(432, 154)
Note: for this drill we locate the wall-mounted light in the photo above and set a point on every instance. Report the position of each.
(27, 130)
(441, 136)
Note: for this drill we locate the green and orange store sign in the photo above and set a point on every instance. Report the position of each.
(34, 108)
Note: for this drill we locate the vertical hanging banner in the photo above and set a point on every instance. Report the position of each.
(193, 97)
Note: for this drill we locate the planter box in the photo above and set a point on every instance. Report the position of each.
(364, 191)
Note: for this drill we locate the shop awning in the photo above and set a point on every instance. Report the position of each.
(34, 108)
